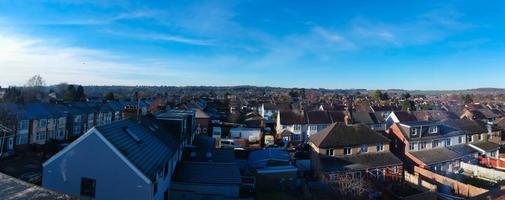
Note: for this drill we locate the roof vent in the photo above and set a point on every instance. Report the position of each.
(132, 134)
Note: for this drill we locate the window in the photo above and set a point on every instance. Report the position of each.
(298, 127)
(329, 152)
(347, 151)
(422, 145)
(42, 123)
(414, 131)
(481, 136)
(23, 124)
(412, 146)
(435, 144)
(380, 147)
(469, 138)
(62, 121)
(378, 125)
(364, 148)
(460, 139)
(41, 135)
(448, 142)
(155, 188)
(433, 129)
(22, 139)
(77, 130)
(61, 132)
(296, 137)
(88, 187)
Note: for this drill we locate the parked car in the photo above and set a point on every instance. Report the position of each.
(228, 143)
(31, 177)
(7, 154)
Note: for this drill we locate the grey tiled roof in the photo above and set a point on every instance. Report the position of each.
(14, 189)
(359, 162)
(466, 125)
(462, 149)
(339, 135)
(437, 155)
(487, 146)
(149, 155)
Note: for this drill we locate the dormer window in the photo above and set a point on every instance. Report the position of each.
(414, 131)
(433, 129)
(380, 147)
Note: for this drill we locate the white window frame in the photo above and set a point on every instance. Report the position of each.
(22, 139)
(40, 124)
(23, 124)
(414, 131)
(470, 138)
(422, 145)
(435, 144)
(412, 146)
(40, 135)
(349, 149)
(330, 152)
(380, 147)
(448, 142)
(433, 129)
(364, 148)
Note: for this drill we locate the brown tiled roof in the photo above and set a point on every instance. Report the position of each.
(337, 116)
(318, 117)
(405, 116)
(340, 135)
(290, 118)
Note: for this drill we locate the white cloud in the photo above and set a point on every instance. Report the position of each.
(22, 57)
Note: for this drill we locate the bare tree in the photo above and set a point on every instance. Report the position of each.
(350, 185)
(33, 89)
(35, 81)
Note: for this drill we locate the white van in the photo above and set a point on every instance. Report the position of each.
(228, 143)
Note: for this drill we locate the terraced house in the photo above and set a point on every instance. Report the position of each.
(479, 136)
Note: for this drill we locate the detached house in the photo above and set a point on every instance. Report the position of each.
(121, 160)
(356, 150)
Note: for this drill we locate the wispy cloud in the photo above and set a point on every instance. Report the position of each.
(21, 57)
(162, 37)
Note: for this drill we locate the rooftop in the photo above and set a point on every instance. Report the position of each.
(14, 189)
(339, 135)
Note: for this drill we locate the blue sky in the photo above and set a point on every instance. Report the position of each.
(330, 44)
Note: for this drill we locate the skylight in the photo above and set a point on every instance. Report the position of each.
(132, 134)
